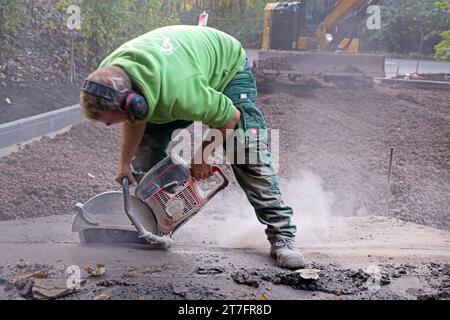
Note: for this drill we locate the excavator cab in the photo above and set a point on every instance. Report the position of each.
(316, 38)
(296, 25)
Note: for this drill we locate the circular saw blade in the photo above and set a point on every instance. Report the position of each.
(99, 235)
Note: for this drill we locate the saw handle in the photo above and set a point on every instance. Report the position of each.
(225, 178)
(126, 192)
(208, 194)
(165, 242)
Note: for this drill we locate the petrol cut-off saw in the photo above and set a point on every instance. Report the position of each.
(166, 198)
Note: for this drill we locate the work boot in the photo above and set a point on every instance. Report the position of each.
(283, 250)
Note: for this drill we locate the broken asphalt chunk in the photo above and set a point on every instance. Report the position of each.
(308, 274)
(212, 270)
(47, 289)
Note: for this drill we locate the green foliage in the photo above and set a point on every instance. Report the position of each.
(242, 19)
(104, 26)
(12, 13)
(443, 5)
(443, 48)
(407, 26)
(246, 27)
(107, 24)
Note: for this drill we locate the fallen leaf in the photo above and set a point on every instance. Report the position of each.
(40, 275)
(102, 296)
(21, 274)
(25, 273)
(263, 297)
(96, 272)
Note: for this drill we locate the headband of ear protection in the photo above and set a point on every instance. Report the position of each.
(132, 103)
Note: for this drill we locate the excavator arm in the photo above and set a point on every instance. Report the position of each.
(342, 22)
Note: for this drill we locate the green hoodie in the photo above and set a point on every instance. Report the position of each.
(181, 71)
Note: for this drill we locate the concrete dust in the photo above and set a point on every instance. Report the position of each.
(238, 226)
(312, 204)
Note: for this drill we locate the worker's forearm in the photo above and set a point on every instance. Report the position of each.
(226, 130)
(131, 138)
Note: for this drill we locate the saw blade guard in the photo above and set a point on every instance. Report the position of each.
(102, 220)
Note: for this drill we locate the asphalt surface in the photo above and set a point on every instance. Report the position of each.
(198, 267)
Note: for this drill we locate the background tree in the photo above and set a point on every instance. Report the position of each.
(11, 15)
(443, 48)
(107, 24)
(33, 33)
(407, 26)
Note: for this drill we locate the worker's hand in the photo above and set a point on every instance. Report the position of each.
(201, 171)
(125, 171)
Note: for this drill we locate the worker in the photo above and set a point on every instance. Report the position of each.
(168, 78)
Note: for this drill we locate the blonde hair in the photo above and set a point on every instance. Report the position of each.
(113, 77)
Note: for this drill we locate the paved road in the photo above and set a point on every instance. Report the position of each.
(409, 66)
(404, 65)
(198, 268)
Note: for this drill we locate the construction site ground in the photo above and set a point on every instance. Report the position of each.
(334, 158)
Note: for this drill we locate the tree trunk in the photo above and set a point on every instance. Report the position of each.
(163, 7)
(241, 7)
(422, 38)
(222, 8)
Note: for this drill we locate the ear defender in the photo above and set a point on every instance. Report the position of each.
(132, 104)
(135, 105)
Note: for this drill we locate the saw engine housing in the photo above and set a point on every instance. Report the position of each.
(174, 195)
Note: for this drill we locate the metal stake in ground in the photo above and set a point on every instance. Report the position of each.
(389, 179)
(417, 66)
(72, 74)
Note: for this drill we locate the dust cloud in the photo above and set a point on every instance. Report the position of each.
(305, 193)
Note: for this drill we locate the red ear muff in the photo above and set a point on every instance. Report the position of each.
(128, 99)
(135, 105)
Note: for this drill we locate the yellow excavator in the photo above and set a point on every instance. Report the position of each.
(316, 38)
